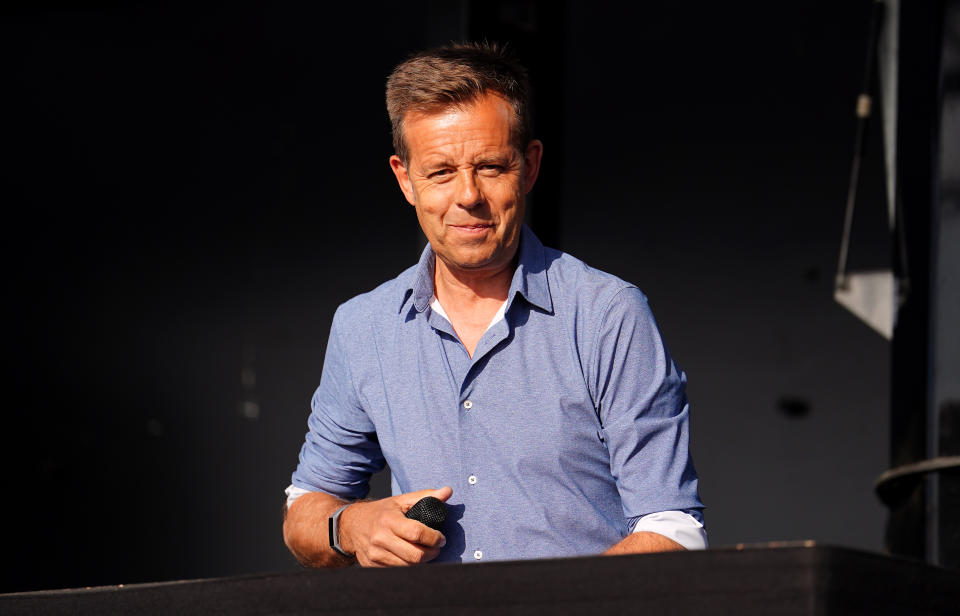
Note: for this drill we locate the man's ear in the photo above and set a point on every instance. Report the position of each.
(403, 178)
(531, 164)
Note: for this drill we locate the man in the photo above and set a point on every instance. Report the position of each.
(530, 392)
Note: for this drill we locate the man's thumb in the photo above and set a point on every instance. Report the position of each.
(411, 498)
(443, 493)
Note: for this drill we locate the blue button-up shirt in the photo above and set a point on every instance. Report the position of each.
(568, 424)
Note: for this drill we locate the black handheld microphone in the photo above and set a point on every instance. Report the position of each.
(429, 511)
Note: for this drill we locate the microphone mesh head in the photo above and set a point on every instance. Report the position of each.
(429, 511)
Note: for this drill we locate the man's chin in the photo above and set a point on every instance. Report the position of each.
(471, 263)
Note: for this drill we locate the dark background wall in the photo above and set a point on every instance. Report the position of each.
(190, 192)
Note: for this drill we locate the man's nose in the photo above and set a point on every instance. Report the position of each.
(468, 193)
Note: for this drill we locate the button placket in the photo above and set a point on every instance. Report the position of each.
(471, 462)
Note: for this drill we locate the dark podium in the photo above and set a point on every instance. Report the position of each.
(789, 579)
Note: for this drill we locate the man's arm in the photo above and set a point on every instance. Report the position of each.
(644, 542)
(376, 532)
(663, 531)
(339, 455)
(644, 414)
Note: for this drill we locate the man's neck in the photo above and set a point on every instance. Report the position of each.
(461, 289)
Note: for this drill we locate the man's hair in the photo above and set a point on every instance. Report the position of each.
(454, 76)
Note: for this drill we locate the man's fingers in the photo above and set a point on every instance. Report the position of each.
(416, 532)
(379, 557)
(392, 549)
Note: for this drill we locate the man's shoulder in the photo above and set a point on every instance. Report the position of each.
(574, 281)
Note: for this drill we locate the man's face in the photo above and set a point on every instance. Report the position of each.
(468, 182)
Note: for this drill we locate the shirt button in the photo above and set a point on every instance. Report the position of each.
(478, 554)
(467, 405)
(472, 479)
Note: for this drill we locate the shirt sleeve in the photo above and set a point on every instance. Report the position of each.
(644, 412)
(341, 451)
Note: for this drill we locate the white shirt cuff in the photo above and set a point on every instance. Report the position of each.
(293, 493)
(677, 525)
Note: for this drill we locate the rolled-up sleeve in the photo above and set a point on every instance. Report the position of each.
(341, 451)
(644, 412)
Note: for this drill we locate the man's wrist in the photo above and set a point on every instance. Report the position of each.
(335, 532)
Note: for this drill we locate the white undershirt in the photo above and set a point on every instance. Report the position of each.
(677, 525)
(436, 307)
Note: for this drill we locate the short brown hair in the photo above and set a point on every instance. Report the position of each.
(457, 75)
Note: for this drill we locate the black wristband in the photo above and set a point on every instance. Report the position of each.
(333, 526)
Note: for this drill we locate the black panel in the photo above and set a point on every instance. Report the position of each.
(796, 580)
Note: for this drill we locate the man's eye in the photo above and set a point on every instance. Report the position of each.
(439, 173)
(491, 168)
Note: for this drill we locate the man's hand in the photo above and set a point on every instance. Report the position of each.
(380, 535)
(376, 531)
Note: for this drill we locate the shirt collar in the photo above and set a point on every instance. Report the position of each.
(529, 279)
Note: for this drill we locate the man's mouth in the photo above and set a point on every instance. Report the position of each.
(474, 227)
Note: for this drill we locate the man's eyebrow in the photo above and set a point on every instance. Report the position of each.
(436, 163)
(495, 159)
(432, 164)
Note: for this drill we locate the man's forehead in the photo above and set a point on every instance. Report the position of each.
(479, 130)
